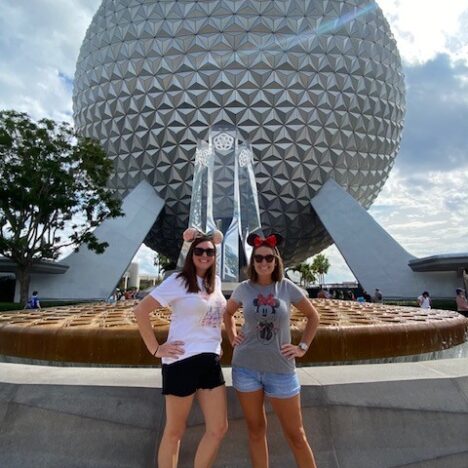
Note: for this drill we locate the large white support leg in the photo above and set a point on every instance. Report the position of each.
(376, 259)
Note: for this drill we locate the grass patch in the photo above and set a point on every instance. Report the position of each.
(4, 306)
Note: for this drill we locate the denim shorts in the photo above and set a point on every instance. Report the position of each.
(274, 384)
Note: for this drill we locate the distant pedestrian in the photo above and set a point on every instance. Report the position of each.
(33, 301)
(378, 297)
(128, 294)
(349, 295)
(322, 294)
(424, 300)
(112, 299)
(462, 302)
(367, 296)
(119, 294)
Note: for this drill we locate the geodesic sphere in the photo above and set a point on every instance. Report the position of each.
(315, 85)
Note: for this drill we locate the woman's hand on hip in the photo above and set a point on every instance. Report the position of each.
(291, 351)
(171, 349)
(238, 339)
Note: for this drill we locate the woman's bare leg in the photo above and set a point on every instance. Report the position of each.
(177, 411)
(214, 407)
(289, 413)
(252, 404)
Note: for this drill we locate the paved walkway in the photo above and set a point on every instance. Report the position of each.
(383, 415)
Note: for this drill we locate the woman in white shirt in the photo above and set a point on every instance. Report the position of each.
(424, 300)
(191, 355)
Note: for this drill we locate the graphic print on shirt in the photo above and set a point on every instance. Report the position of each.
(266, 317)
(214, 315)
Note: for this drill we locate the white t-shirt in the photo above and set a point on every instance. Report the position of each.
(425, 302)
(196, 317)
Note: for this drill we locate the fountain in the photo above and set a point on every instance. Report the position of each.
(106, 334)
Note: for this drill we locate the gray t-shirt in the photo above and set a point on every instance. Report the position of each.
(267, 325)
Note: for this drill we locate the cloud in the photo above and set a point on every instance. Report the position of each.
(434, 135)
(427, 216)
(424, 29)
(145, 260)
(39, 43)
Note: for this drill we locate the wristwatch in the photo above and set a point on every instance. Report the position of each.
(303, 346)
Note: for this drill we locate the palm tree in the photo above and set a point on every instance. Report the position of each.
(321, 265)
(307, 273)
(162, 263)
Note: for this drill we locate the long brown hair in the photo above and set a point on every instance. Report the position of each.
(278, 272)
(189, 272)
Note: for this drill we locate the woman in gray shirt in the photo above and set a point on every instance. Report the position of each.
(263, 362)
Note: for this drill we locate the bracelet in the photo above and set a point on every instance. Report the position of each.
(154, 354)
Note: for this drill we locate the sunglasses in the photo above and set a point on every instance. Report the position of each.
(198, 251)
(260, 258)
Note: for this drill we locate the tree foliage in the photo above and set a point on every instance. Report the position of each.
(306, 272)
(321, 265)
(52, 182)
(162, 263)
(309, 272)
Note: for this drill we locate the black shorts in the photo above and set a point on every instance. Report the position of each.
(185, 377)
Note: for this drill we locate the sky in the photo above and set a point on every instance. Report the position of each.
(423, 205)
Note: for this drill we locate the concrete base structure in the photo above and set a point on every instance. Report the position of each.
(375, 258)
(368, 416)
(91, 276)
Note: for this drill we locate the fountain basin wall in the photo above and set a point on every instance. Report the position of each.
(108, 334)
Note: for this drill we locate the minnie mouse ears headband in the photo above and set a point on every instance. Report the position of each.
(273, 240)
(190, 234)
